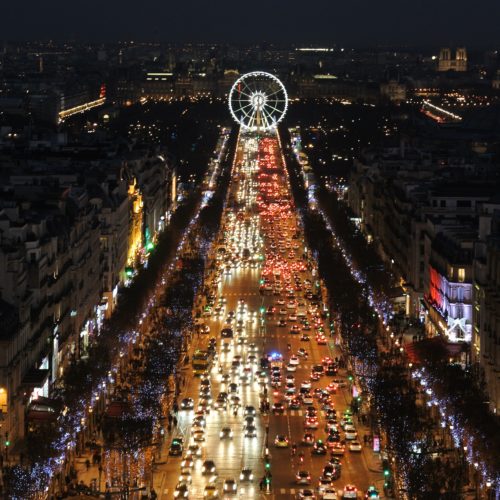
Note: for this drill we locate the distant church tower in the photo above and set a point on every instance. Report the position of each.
(446, 63)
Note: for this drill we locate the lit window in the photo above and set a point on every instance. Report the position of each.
(461, 274)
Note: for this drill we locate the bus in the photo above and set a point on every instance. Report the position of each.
(200, 362)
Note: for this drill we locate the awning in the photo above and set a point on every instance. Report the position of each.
(35, 378)
(433, 349)
(41, 413)
(43, 409)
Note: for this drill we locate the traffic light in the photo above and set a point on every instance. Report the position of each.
(385, 467)
(7, 442)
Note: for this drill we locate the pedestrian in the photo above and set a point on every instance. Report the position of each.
(87, 464)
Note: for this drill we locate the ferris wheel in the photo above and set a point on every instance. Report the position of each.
(258, 101)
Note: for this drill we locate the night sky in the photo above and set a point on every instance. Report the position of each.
(351, 22)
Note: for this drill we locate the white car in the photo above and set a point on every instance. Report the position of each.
(230, 486)
(329, 494)
(350, 491)
(350, 435)
(294, 360)
(355, 445)
(290, 367)
(307, 399)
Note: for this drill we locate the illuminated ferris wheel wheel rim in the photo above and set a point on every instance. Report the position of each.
(258, 101)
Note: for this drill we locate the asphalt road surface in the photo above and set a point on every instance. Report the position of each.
(261, 235)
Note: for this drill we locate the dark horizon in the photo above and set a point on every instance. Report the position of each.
(355, 25)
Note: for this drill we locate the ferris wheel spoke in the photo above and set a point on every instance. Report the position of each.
(271, 120)
(275, 109)
(240, 92)
(249, 104)
(275, 92)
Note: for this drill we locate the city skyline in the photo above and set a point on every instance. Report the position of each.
(360, 24)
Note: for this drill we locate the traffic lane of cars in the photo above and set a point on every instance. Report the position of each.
(354, 468)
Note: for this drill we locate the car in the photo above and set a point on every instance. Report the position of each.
(324, 483)
(306, 494)
(295, 329)
(210, 491)
(187, 404)
(278, 408)
(331, 425)
(302, 353)
(340, 382)
(337, 449)
(303, 477)
(294, 360)
(226, 433)
(294, 404)
(304, 337)
(251, 431)
(307, 439)
(335, 461)
(181, 490)
(331, 471)
(319, 448)
(318, 369)
(355, 445)
(176, 447)
(208, 468)
(372, 493)
(281, 441)
(329, 494)
(194, 451)
(291, 368)
(321, 340)
(350, 435)
(350, 491)
(187, 463)
(250, 411)
(230, 486)
(249, 420)
(199, 421)
(311, 423)
(198, 436)
(332, 388)
(252, 348)
(246, 475)
(307, 399)
(306, 385)
(185, 476)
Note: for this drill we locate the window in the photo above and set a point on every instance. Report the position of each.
(461, 274)
(464, 203)
(460, 294)
(442, 203)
